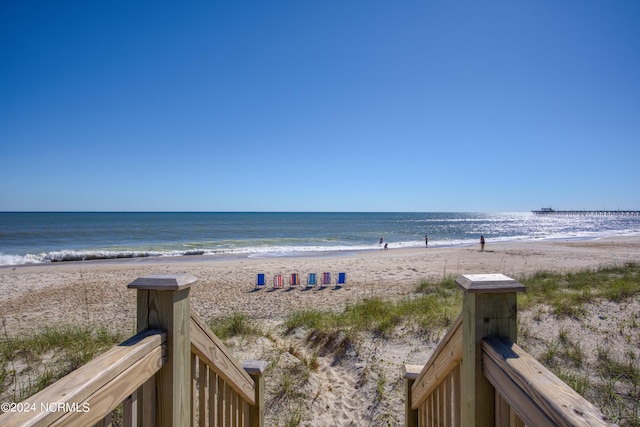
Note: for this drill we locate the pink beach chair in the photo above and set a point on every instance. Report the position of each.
(277, 281)
(326, 279)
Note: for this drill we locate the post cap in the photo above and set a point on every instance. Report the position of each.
(255, 367)
(163, 282)
(412, 372)
(489, 283)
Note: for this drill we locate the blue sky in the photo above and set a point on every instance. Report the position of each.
(319, 105)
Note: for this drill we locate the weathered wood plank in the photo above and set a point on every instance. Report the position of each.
(86, 380)
(444, 359)
(208, 347)
(525, 383)
(106, 398)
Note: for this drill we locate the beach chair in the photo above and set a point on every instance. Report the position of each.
(326, 279)
(294, 280)
(260, 283)
(341, 279)
(311, 280)
(277, 281)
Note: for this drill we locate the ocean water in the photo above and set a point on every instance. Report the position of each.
(40, 237)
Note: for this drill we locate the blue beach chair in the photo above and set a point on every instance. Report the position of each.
(260, 283)
(311, 280)
(341, 279)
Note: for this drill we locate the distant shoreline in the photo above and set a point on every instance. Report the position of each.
(223, 256)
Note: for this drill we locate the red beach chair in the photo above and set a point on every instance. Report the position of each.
(294, 281)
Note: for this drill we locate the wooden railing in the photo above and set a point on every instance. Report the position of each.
(223, 392)
(173, 372)
(90, 393)
(478, 376)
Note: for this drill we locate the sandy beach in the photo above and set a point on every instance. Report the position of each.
(96, 292)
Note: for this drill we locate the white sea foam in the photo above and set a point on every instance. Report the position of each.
(19, 259)
(58, 237)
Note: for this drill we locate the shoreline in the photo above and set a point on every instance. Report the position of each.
(131, 255)
(96, 290)
(226, 256)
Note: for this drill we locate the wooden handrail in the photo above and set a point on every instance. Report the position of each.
(537, 395)
(97, 387)
(208, 347)
(174, 363)
(444, 359)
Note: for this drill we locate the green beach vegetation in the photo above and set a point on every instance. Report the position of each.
(31, 362)
(602, 372)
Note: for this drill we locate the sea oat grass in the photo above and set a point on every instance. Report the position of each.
(567, 294)
(235, 324)
(29, 363)
(434, 310)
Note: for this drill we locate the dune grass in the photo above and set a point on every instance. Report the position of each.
(31, 362)
(566, 294)
(234, 324)
(434, 306)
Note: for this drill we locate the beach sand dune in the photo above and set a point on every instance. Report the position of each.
(343, 388)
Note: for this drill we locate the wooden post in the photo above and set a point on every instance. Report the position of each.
(410, 374)
(163, 303)
(490, 309)
(256, 369)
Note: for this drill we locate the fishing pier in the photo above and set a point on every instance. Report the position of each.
(625, 213)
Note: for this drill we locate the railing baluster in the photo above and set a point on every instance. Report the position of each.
(502, 411)
(446, 401)
(213, 399)
(194, 387)
(129, 410)
(457, 391)
(147, 403)
(203, 392)
(221, 398)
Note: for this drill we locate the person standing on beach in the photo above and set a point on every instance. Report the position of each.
(481, 243)
(426, 241)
